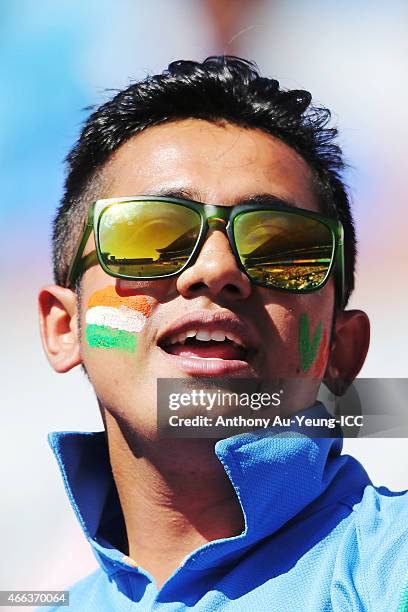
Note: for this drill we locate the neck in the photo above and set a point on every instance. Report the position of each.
(175, 497)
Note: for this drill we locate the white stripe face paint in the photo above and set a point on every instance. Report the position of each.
(126, 319)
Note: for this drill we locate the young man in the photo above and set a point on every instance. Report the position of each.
(221, 244)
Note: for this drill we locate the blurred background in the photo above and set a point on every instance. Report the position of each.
(57, 58)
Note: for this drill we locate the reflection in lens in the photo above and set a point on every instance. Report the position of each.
(147, 238)
(283, 249)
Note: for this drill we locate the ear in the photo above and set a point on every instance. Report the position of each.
(350, 342)
(58, 327)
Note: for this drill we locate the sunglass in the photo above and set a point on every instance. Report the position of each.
(277, 245)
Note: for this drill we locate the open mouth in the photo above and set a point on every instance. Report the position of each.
(204, 344)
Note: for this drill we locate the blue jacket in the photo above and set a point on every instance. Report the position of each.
(318, 535)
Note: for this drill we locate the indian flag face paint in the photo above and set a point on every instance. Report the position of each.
(113, 320)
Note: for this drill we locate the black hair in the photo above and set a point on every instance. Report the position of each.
(219, 89)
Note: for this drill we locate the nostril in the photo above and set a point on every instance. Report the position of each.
(197, 286)
(233, 289)
(200, 286)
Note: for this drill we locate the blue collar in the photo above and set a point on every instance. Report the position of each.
(277, 477)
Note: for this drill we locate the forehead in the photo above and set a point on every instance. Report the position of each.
(213, 163)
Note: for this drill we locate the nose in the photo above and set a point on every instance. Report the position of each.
(215, 272)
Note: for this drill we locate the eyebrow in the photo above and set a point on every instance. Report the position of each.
(191, 194)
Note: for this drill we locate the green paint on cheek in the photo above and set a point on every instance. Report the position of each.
(100, 336)
(308, 346)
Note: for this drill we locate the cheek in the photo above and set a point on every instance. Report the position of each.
(280, 334)
(299, 335)
(114, 322)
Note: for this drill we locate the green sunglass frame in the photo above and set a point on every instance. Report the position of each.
(209, 213)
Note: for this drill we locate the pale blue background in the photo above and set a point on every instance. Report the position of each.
(58, 57)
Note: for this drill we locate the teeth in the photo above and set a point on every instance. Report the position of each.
(174, 339)
(219, 336)
(204, 336)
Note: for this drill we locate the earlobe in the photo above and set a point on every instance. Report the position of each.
(348, 351)
(58, 327)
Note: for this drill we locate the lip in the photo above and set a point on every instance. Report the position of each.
(212, 321)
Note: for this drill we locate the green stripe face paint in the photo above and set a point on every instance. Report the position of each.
(308, 345)
(101, 336)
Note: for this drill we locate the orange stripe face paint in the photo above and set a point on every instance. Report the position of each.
(321, 360)
(113, 320)
(109, 297)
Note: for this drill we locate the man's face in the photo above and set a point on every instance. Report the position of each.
(287, 335)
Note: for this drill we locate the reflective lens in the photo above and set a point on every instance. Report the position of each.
(284, 250)
(147, 238)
